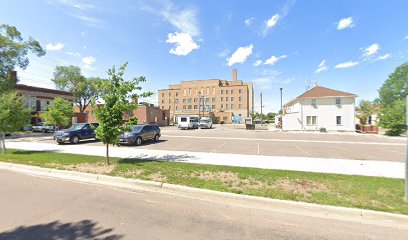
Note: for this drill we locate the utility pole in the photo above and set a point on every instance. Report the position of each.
(281, 108)
(406, 162)
(261, 109)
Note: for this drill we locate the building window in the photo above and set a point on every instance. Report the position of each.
(184, 100)
(195, 99)
(240, 99)
(232, 99)
(169, 107)
(338, 101)
(169, 100)
(189, 100)
(176, 107)
(213, 107)
(189, 107)
(232, 91)
(314, 103)
(222, 106)
(162, 109)
(232, 106)
(226, 106)
(338, 120)
(225, 118)
(213, 99)
(201, 100)
(176, 94)
(169, 94)
(213, 91)
(240, 90)
(311, 120)
(189, 91)
(162, 101)
(222, 91)
(239, 106)
(222, 99)
(226, 91)
(195, 107)
(207, 108)
(207, 100)
(226, 99)
(184, 106)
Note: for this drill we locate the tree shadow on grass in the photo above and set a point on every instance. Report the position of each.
(85, 229)
(28, 152)
(142, 159)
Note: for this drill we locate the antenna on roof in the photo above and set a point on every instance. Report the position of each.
(308, 82)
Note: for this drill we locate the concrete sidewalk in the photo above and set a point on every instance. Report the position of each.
(322, 165)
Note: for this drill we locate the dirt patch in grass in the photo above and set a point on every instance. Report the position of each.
(301, 186)
(157, 177)
(96, 168)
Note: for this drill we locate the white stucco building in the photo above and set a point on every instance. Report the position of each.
(318, 108)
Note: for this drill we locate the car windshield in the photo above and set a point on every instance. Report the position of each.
(76, 126)
(137, 128)
(204, 121)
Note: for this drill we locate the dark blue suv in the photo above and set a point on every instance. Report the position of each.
(76, 132)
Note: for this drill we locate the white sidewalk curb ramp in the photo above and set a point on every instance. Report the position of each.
(361, 216)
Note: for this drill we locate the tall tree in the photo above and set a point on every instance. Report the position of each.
(13, 53)
(116, 94)
(392, 101)
(59, 113)
(13, 116)
(70, 79)
(365, 110)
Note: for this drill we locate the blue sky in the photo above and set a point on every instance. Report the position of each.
(346, 45)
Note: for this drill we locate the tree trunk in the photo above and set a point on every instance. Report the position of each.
(2, 143)
(107, 153)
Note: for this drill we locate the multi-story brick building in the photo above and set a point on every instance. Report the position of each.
(219, 99)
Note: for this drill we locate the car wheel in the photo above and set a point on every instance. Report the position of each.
(74, 140)
(157, 138)
(44, 130)
(138, 141)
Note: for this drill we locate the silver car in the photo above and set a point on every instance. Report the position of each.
(43, 127)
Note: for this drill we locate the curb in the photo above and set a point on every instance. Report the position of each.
(362, 216)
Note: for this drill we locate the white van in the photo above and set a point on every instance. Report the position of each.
(187, 122)
(205, 122)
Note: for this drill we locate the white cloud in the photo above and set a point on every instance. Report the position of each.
(88, 61)
(406, 38)
(370, 50)
(345, 23)
(72, 3)
(249, 21)
(257, 63)
(184, 43)
(322, 67)
(346, 65)
(185, 20)
(263, 83)
(272, 60)
(240, 55)
(75, 54)
(272, 21)
(90, 21)
(383, 57)
(223, 53)
(54, 46)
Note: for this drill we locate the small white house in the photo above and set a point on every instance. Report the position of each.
(318, 108)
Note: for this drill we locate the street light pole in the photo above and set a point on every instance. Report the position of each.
(261, 109)
(281, 108)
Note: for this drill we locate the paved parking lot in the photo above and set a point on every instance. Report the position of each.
(268, 143)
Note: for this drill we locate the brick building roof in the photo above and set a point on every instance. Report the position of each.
(39, 89)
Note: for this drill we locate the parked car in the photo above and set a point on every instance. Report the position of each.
(75, 133)
(140, 133)
(187, 122)
(43, 127)
(205, 122)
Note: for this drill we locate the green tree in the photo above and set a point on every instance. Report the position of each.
(392, 99)
(70, 79)
(365, 110)
(116, 94)
(13, 53)
(59, 113)
(271, 115)
(13, 116)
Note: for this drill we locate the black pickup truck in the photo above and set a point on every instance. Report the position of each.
(75, 133)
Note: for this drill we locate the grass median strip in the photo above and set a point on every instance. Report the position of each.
(381, 194)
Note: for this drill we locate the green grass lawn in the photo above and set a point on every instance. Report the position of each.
(381, 194)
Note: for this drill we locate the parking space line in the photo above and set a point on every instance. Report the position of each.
(287, 140)
(301, 149)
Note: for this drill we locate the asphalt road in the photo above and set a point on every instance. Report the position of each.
(44, 209)
(220, 140)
